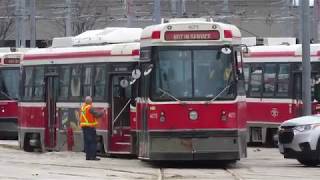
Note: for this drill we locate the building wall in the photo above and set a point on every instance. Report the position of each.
(261, 18)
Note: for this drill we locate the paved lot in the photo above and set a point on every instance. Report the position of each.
(262, 163)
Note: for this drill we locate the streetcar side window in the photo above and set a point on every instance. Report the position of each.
(64, 82)
(246, 71)
(38, 82)
(269, 78)
(283, 80)
(256, 81)
(9, 83)
(99, 82)
(75, 85)
(28, 74)
(87, 84)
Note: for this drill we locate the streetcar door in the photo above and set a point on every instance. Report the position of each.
(297, 94)
(51, 85)
(120, 137)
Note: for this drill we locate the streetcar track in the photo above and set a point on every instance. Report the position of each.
(8, 146)
(233, 174)
(161, 174)
(84, 167)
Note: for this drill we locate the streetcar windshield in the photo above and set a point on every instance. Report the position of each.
(192, 73)
(9, 84)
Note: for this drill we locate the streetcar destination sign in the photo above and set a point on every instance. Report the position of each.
(11, 61)
(191, 35)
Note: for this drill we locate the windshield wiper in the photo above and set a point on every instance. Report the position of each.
(229, 84)
(7, 96)
(219, 94)
(170, 95)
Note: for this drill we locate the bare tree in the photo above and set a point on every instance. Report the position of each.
(6, 18)
(85, 15)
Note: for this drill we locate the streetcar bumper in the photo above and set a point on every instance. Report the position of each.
(9, 127)
(211, 145)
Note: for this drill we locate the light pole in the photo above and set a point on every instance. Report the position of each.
(306, 67)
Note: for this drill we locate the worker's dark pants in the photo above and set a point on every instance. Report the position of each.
(90, 142)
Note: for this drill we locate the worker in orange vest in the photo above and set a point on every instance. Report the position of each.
(88, 123)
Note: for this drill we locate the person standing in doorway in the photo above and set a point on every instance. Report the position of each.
(88, 123)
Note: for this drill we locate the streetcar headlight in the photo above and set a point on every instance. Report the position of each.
(162, 117)
(224, 116)
(193, 115)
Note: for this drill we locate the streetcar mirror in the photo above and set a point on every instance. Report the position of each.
(148, 70)
(226, 50)
(133, 81)
(136, 73)
(124, 83)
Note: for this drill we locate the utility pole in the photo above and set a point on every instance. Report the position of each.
(226, 10)
(156, 12)
(306, 67)
(18, 22)
(179, 8)
(23, 23)
(316, 17)
(226, 7)
(68, 19)
(32, 10)
(129, 12)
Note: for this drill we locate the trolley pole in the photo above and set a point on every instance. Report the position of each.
(306, 67)
(156, 12)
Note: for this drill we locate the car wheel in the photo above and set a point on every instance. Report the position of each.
(308, 162)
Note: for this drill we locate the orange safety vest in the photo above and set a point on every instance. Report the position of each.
(86, 118)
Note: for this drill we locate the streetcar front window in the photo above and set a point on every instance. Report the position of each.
(192, 73)
(9, 84)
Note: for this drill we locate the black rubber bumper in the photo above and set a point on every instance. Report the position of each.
(194, 156)
(292, 154)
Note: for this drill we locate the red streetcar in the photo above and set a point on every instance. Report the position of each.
(182, 99)
(9, 93)
(191, 103)
(55, 80)
(273, 76)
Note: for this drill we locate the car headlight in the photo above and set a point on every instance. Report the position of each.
(306, 127)
(302, 128)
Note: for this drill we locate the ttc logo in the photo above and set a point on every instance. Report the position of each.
(274, 112)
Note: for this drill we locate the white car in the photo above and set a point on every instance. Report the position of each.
(299, 138)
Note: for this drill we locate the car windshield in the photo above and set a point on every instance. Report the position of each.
(9, 83)
(192, 73)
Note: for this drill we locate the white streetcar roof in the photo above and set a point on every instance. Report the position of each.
(108, 36)
(124, 52)
(281, 53)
